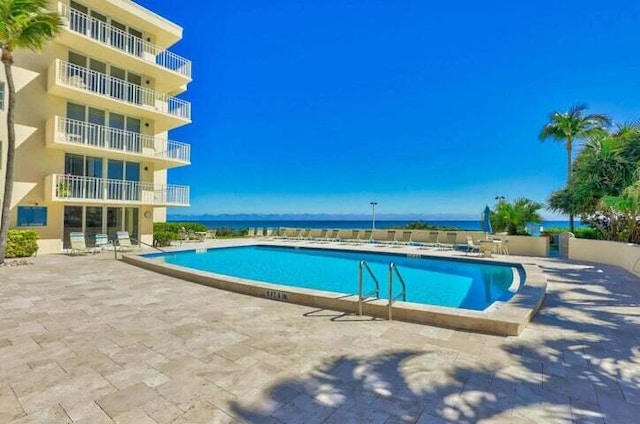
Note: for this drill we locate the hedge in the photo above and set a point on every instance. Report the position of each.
(22, 243)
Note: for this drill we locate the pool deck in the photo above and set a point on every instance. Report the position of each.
(92, 340)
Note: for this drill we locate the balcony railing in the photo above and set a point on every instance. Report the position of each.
(73, 187)
(105, 85)
(109, 35)
(93, 135)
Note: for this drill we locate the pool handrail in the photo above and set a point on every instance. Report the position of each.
(393, 267)
(361, 296)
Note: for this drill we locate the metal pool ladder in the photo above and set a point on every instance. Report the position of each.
(393, 269)
(364, 296)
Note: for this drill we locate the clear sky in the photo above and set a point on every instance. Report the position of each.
(308, 106)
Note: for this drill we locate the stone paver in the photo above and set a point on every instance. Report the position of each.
(93, 340)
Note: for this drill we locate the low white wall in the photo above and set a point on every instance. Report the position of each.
(625, 255)
(517, 245)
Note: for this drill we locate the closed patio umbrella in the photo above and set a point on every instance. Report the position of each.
(486, 220)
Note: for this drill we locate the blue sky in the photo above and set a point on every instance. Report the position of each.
(306, 106)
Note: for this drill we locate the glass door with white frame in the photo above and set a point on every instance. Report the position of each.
(116, 131)
(95, 128)
(72, 224)
(75, 124)
(133, 142)
(115, 174)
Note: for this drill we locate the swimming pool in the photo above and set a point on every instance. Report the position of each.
(429, 281)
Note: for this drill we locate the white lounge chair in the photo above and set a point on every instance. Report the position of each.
(124, 241)
(450, 241)
(102, 242)
(472, 246)
(404, 239)
(78, 244)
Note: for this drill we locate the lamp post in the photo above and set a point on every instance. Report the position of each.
(373, 212)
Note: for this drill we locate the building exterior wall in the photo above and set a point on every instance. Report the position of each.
(43, 92)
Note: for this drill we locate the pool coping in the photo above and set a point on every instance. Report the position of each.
(501, 318)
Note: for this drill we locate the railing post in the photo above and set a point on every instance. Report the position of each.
(391, 265)
(360, 289)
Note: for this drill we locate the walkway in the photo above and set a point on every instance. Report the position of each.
(92, 340)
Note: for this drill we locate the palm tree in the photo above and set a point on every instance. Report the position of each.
(23, 24)
(570, 126)
(513, 217)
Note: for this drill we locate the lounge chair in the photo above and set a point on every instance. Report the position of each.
(404, 239)
(450, 241)
(183, 235)
(291, 234)
(322, 235)
(472, 246)
(354, 239)
(366, 236)
(212, 233)
(305, 234)
(251, 232)
(78, 244)
(332, 235)
(124, 241)
(102, 242)
(433, 240)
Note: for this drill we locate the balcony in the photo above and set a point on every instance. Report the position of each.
(86, 33)
(106, 92)
(72, 188)
(78, 136)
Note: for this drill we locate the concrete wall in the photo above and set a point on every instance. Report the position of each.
(517, 245)
(625, 255)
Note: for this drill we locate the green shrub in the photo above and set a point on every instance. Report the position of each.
(163, 238)
(22, 243)
(228, 232)
(587, 233)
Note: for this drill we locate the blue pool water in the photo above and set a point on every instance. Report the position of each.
(442, 282)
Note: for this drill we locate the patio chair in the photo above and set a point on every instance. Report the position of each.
(433, 239)
(332, 235)
(321, 236)
(124, 241)
(404, 239)
(78, 244)
(290, 234)
(472, 246)
(102, 242)
(305, 234)
(366, 236)
(355, 237)
(450, 241)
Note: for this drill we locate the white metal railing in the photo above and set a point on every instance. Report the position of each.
(105, 85)
(107, 34)
(93, 135)
(74, 187)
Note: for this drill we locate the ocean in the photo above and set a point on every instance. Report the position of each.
(355, 224)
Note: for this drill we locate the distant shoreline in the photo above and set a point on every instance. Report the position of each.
(349, 224)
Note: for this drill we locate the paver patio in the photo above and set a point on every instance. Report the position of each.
(93, 340)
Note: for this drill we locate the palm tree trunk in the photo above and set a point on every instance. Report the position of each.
(569, 166)
(11, 148)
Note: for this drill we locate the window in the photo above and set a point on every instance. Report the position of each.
(1, 96)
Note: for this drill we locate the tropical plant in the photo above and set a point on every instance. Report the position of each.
(513, 217)
(603, 168)
(24, 24)
(571, 126)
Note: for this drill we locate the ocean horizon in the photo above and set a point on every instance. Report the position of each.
(353, 224)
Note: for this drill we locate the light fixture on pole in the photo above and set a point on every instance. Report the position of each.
(373, 212)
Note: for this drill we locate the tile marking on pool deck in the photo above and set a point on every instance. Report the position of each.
(88, 339)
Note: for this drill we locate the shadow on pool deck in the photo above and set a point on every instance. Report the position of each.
(123, 343)
(580, 363)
